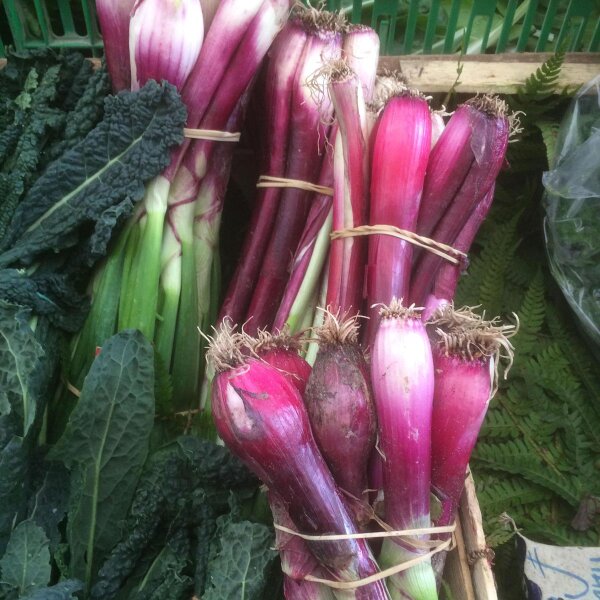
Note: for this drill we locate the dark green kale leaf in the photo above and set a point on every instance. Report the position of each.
(84, 114)
(28, 369)
(46, 294)
(241, 558)
(110, 166)
(105, 446)
(35, 120)
(25, 565)
(61, 591)
(184, 487)
(48, 505)
(14, 466)
(166, 577)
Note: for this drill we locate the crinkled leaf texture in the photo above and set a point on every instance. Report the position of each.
(61, 591)
(185, 486)
(26, 375)
(110, 166)
(20, 355)
(240, 561)
(48, 505)
(105, 446)
(25, 565)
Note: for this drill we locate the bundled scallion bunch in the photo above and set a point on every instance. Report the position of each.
(160, 276)
(355, 448)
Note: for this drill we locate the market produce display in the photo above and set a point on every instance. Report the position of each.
(305, 431)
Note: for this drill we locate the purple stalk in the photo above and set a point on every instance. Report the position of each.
(341, 410)
(361, 53)
(311, 111)
(284, 58)
(317, 216)
(246, 60)
(402, 376)
(491, 136)
(448, 165)
(229, 27)
(465, 355)
(351, 187)
(113, 16)
(297, 561)
(448, 275)
(260, 416)
(400, 153)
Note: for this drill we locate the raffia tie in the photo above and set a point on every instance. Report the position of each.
(212, 135)
(265, 181)
(456, 257)
(437, 546)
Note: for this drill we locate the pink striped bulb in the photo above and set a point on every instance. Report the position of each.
(165, 37)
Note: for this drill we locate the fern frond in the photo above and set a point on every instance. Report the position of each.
(498, 425)
(487, 271)
(518, 458)
(550, 522)
(549, 131)
(497, 534)
(582, 362)
(542, 83)
(509, 492)
(532, 313)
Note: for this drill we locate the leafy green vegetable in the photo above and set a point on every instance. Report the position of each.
(184, 487)
(20, 354)
(14, 465)
(61, 591)
(48, 294)
(26, 564)
(50, 102)
(105, 446)
(165, 578)
(240, 559)
(48, 506)
(27, 372)
(88, 183)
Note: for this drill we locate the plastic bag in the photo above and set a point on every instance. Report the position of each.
(572, 203)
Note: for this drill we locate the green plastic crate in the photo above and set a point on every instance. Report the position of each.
(50, 23)
(404, 26)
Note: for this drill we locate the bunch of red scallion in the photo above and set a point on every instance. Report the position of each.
(162, 273)
(367, 204)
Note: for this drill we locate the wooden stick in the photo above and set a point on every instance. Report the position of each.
(484, 73)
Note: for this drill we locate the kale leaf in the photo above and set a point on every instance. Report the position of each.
(105, 446)
(185, 486)
(63, 590)
(110, 166)
(26, 564)
(241, 558)
(28, 369)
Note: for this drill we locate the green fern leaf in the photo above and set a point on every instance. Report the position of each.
(484, 283)
(531, 315)
(498, 425)
(550, 522)
(549, 131)
(509, 492)
(518, 458)
(542, 84)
